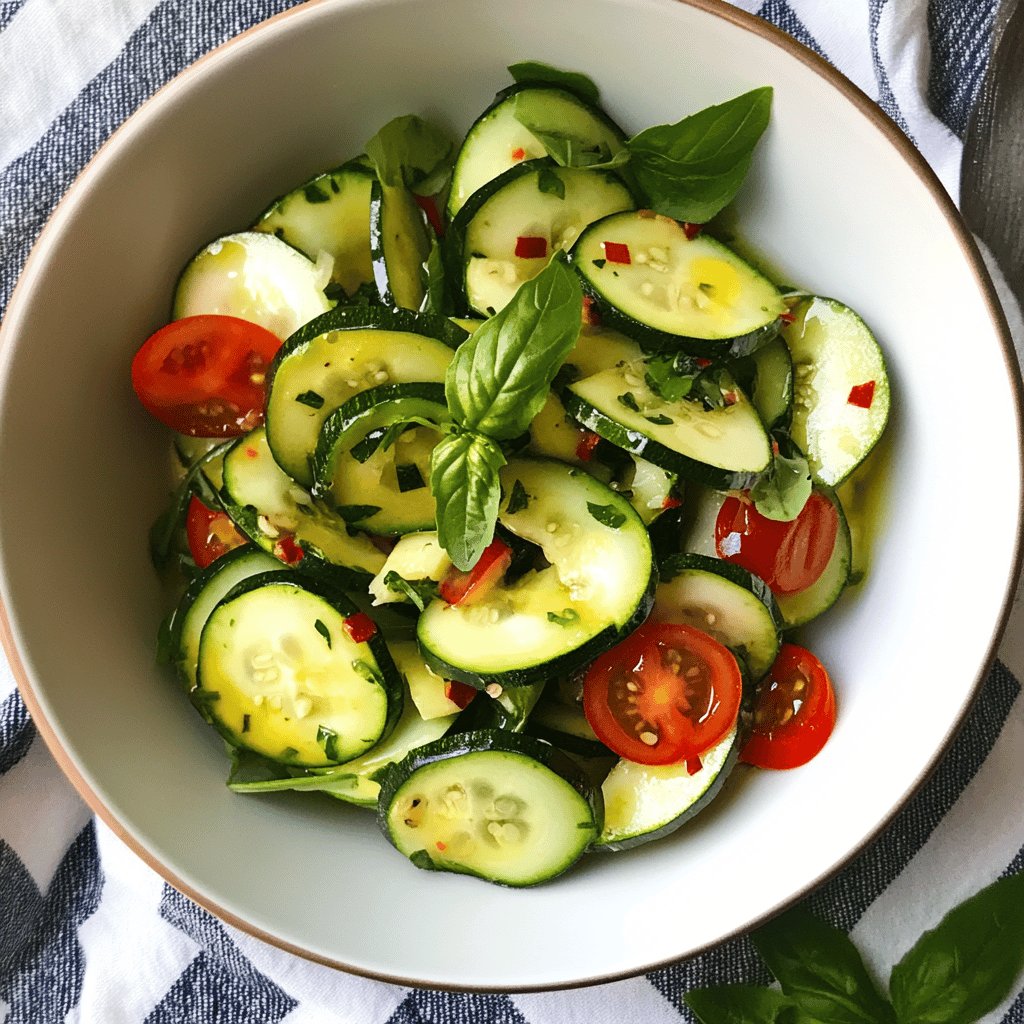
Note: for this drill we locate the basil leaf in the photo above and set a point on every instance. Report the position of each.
(435, 292)
(500, 376)
(691, 169)
(607, 515)
(413, 153)
(537, 71)
(518, 499)
(311, 398)
(965, 967)
(568, 617)
(783, 489)
(821, 970)
(464, 481)
(419, 592)
(322, 629)
(550, 183)
(355, 513)
(744, 1004)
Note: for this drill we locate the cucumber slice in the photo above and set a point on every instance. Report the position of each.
(506, 808)
(842, 389)
(521, 204)
(770, 370)
(669, 291)
(338, 355)
(596, 588)
(725, 601)
(399, 244)
(255, 277)
(283, 519)
(384, 491)
(329, 213)
(725, 448)
(498, 140)
(646, 802)
(280, 675)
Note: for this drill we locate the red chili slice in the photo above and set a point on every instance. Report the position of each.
(360, 627)
(616, 252)
(518, 153)
(460, 694)
(460, 587)
(788, 317)
(529, 247)
(671, 502)
(590, 314)
(288, 551)
(862, 395)
(428, 204)
(692, 230)
(586, 445)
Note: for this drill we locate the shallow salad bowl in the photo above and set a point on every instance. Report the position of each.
(837, 202)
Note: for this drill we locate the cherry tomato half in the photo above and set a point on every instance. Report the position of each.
(789, 557)
(211, 533)
(205, 376)
(664, 695)
(795, 712)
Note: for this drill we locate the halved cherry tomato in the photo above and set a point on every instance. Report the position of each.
(460, 587)
(205, 376)
(664, 695)
(789, 557)
(795, 712)
(210, 532)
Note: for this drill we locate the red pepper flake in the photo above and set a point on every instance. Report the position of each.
(788, 317)
(862, 395)
(590, 314)
(616, 252)
(692, 230)
(441, 846)
(529, 247)
(702, 362)
(360, 627)
(518, 153)
(671, 502)
(428, 204)
(460, 694)
(693, 765)
(775, 447)
(288, 551)
(586, 445)
(729, 397)
(252, 453)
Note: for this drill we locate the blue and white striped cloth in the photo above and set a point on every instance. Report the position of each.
(89, 934)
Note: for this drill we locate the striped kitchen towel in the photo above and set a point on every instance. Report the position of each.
(89, 934)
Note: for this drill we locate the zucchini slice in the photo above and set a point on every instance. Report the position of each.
(399, 246)
(725, 447)
(338, 355)
(566, 727)
(255, 277)
(842, 388)
(280, 675)
(498, 140)
(601, 348)
(725, 601)
(596, 586)
(646, 802)
(770, 370)
(509, 229)
(666, 290)
(416, 558)
(286, 521)
(506, 808)
(329, 213)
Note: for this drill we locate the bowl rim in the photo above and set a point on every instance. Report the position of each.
(961, 234)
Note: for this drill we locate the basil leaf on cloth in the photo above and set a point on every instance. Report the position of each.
(413, 153)
(500, 377)
(744, 1004)
(464, 481)
(690, 170)
(821, 970)
(544, 74)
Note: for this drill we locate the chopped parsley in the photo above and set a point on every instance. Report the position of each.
(311, 398)
(324, 632)
(606, 515)
(518, 499)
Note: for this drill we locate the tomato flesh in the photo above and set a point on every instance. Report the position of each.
(789, 557)
(206, 376)
(795, 712)
(210, 532)
(664, 695)
(460, 587)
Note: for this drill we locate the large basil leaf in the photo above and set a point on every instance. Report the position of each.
(964, 968)
(413, 153)
(744, 1004)
(464, 481)
(783, 490)
(500, 377)
(691, 169)
(821, 970)
(544, 74)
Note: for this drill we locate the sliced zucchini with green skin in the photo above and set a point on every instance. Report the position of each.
(497, 140)
(399, 245)
(338, 355)
(202, 596)
(653, 283)
(646, 802)
(521, 203)
(841, 404)
(280, 675)
(255, 277)
(390, 484)
(596, 588)
(771, 389)
(554, 434)
(279, 516)
(728, 603)
(427, 690)
(506, 808)
(329, 213)
(566, 727)
(650, 489)
(601, 348)
(725, 448)
(507, 708)
(416, 557)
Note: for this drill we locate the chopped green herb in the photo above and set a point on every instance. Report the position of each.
(661, 419)
(629, 401)
(567, 618)
(306, 510)
(245, 723)
(315, 194)
(289, 752)
(356, 513)
(409, 477)
(334, 291)
(324, 632)
(518, 499)
(419, 592)
(706, 288)
(421, 859)
(550, 183)
(599, 264)
(328, 739)
(363, 449)
(607, 515)
(368, 672)
(311, 398)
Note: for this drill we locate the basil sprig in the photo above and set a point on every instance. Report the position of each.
(535, 71)
(783, 490)
(954, 974)
(495, 386)
(412, 153)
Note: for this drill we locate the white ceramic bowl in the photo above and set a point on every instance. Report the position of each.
(837, 200)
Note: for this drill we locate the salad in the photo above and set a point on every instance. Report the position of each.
(503, 480)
